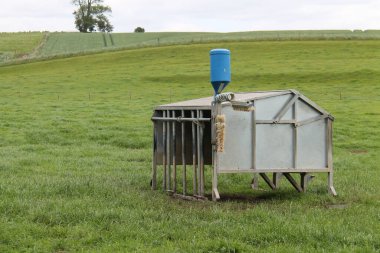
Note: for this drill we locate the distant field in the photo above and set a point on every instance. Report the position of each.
(75, 153)
(23, 45)
(71, 43)
(15, 45)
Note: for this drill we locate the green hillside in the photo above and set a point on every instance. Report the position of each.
(26, 46)
(18, 45)
(75, 153)
(71, 43)
(68, 43)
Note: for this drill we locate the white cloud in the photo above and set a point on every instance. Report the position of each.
(199, 15)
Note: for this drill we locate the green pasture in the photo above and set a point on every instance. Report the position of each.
(36, 45)
(74, 43)
(75, 153)
(18, 45)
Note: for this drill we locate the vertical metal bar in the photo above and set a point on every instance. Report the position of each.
(154, 158)
(194, 155)
(164, 184)
(174, 155)
(327, 156)
(183, 154)
(330, 157)
(199, 154)
(255, 182)
(329, 144)
(202, 172)
(213, 143)
(295, 144)
(304, 179)
(295, 136)
(168, 153)
(253, 129)
(330, 179)
(276, 179)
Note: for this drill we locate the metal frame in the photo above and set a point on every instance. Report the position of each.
(170, 121)
(169, 117)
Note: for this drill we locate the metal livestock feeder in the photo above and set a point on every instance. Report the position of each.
(280, 132)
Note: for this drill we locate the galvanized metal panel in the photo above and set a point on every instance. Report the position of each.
(274, 146)
(305, 111)
(291, 135)
(237, 153)
(275, 143)
(268, 109)
(312, 145)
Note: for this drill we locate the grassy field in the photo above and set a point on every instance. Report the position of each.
(17, 45)
(72, 43)
(75, 153)
(69, 43)
(26, 46)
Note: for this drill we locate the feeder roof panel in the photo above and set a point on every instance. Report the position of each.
(205, 103)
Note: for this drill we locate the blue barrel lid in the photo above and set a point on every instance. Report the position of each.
(219, 51)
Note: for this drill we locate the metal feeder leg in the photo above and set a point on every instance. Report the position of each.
(331, 184)
(276, 179)
(183, 154)
(255, 182)
(154, 160)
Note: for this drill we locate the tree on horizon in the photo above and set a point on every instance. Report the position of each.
(91, 16)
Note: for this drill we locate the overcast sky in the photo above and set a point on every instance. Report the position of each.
(198, 15)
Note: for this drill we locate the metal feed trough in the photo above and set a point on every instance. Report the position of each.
(279, 132)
